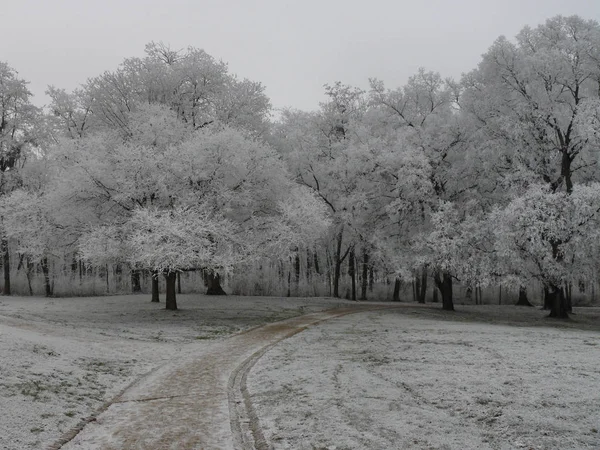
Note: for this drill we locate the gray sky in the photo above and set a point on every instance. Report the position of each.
(292, 46)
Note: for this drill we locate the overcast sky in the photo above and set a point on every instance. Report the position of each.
(292, 46)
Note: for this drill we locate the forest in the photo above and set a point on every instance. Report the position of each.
(170, 169)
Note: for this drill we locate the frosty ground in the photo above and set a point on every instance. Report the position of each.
(62, 358)
(491, 377)
(393, 379)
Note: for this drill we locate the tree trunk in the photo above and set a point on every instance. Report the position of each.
(396, 297)
(171, 297)
(365, 275)
(415, 287)
(338, 266)
(500, 295)
(569, 296)
(30, 266)
(444, 284)
(6, 266)
(179, 282)
(213, 284)
(523, 300)
(46, 272)
(352, 272)
(547, 300)
(371, 278)
(469, 295)
(297, 273)
(558, 303)
(566, 171)
(423, 285)
(316, 262)
(328, 272)
(136, 285)
(155, 296)
(435, 295)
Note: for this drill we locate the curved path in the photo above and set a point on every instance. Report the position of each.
(201, 403)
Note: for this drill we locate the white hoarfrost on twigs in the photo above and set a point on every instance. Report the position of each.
(385, 380)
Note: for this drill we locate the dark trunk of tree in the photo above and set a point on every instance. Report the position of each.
(136, 285)
(352, 273)
(46, 272)
(329, 266)
(155, 296)
(308, 267)
(415, 287)
(297, 272)
(316, 262)
(179, 282)
(171, 296)
(213, 284)
(568, 296)
(396, 296)
(444, 284)
(118, 276)
(338, 266)
(558, 303)
(547, 300)
(6, 267)
(289, 284)
(500, 296)
(365, 275)
(371, 278)
(523, 300)
(469, 294)
(28, 273)
(566, 171)
(423, 285)
(107, 285)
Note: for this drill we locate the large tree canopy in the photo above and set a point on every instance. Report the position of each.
(170, 163)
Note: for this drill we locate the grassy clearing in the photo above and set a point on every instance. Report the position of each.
(419, 378)
(64, 357)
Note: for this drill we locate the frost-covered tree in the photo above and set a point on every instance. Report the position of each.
(551, 237)
(534, 103)
(166, 241)
(425, 170)
(28, 224)
(18, 131)
(197, 87)
(315, 147)
(165, 172)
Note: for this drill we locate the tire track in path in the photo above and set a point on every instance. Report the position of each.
(200, 403)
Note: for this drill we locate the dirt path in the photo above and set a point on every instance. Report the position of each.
(202, 403)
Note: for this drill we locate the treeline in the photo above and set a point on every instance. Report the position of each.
(170, 166)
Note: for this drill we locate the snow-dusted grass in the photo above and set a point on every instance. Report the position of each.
(62, 358)
(427, 379)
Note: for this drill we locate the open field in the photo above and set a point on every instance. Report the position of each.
(413, 377)
(62, 358)
(406, 379)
